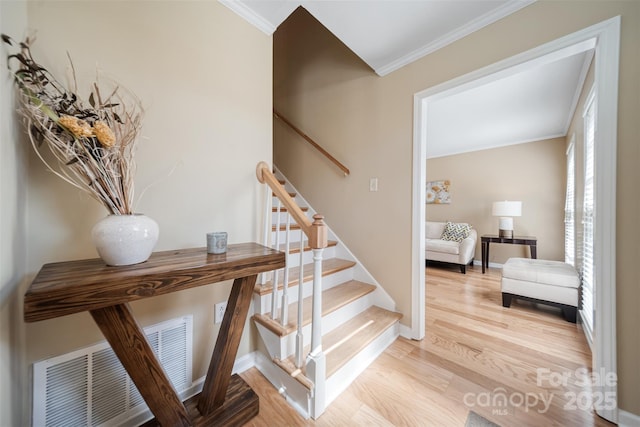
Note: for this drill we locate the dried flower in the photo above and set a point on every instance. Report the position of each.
(92, 142)
(104, 134)
(76, 126)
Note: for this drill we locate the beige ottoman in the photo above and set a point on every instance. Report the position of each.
(547, 282)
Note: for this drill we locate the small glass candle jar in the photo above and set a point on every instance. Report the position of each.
(217, 242)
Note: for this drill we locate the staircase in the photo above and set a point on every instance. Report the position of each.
(335, 324)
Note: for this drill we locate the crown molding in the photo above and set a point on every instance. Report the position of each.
(474, 25)
(250, 16)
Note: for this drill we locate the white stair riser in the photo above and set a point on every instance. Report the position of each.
(283, 217)
(260, 304)
(343, 377)
(263, 303)
(283, 212)
(293, 259)
(307, 256)
(283, 347)
(294, 236)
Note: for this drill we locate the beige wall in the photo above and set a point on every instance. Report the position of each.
(205, 78)
(533, 173)
(366, 121)
(13, 248)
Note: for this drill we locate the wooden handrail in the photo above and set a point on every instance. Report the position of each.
(316, 231)
(317, 146)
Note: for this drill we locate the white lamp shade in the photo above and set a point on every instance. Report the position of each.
(507, 208)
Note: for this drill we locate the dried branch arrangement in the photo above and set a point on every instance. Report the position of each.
(92, 143)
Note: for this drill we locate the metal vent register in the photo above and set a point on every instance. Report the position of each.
(91, 387)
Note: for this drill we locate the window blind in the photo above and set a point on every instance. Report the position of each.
(569, 208)
(588, 217)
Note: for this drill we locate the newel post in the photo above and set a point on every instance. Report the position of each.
(318, 234)
(317, 241)
(316, 363)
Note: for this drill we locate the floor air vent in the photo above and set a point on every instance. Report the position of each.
(89, 387)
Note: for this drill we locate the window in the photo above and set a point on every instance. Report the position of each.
(569, 207)
(588, 216)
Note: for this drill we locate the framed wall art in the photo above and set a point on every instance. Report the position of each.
(438, 192)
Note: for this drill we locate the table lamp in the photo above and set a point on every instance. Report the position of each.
(506, 210)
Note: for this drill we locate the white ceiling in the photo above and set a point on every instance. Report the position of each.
(534, 103)
(385, 34)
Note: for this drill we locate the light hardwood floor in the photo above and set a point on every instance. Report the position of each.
(475, 351)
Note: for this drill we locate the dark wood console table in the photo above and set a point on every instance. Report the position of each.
(89, 285)
(486, 239)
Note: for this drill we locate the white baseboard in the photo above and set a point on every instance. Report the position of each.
(406, 332)
(247, 361)
(491, 264)
(627, 419)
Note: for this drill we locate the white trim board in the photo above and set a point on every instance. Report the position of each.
(250, 15)
(491, 264)
(627, 419)
(455, 35)
(605, 36)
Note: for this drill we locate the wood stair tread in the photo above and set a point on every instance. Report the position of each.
(283, 227)
(284, 209)
(329, 266)
(332, 299)
(294, 247)
(345, 342)
(292, 195)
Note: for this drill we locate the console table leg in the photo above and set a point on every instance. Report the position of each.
(224, 353)
(534, 251)
(487, 256)
(136, 355)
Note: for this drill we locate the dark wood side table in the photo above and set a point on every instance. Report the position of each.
(486, 239)
(89, 285)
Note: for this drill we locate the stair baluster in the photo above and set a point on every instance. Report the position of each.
(299, 334)
(274, 293)
(358, 329)
(316, 310)
(284, 315)
(268, 220)
(316, 361)
(317, 236)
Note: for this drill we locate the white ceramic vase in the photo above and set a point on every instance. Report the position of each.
(125, 239)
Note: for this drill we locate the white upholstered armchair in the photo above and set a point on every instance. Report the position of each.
(451, 247)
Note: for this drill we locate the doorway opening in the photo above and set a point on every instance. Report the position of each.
(605, 38)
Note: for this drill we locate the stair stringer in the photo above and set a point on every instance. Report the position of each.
(297, 395)
(381, 297)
